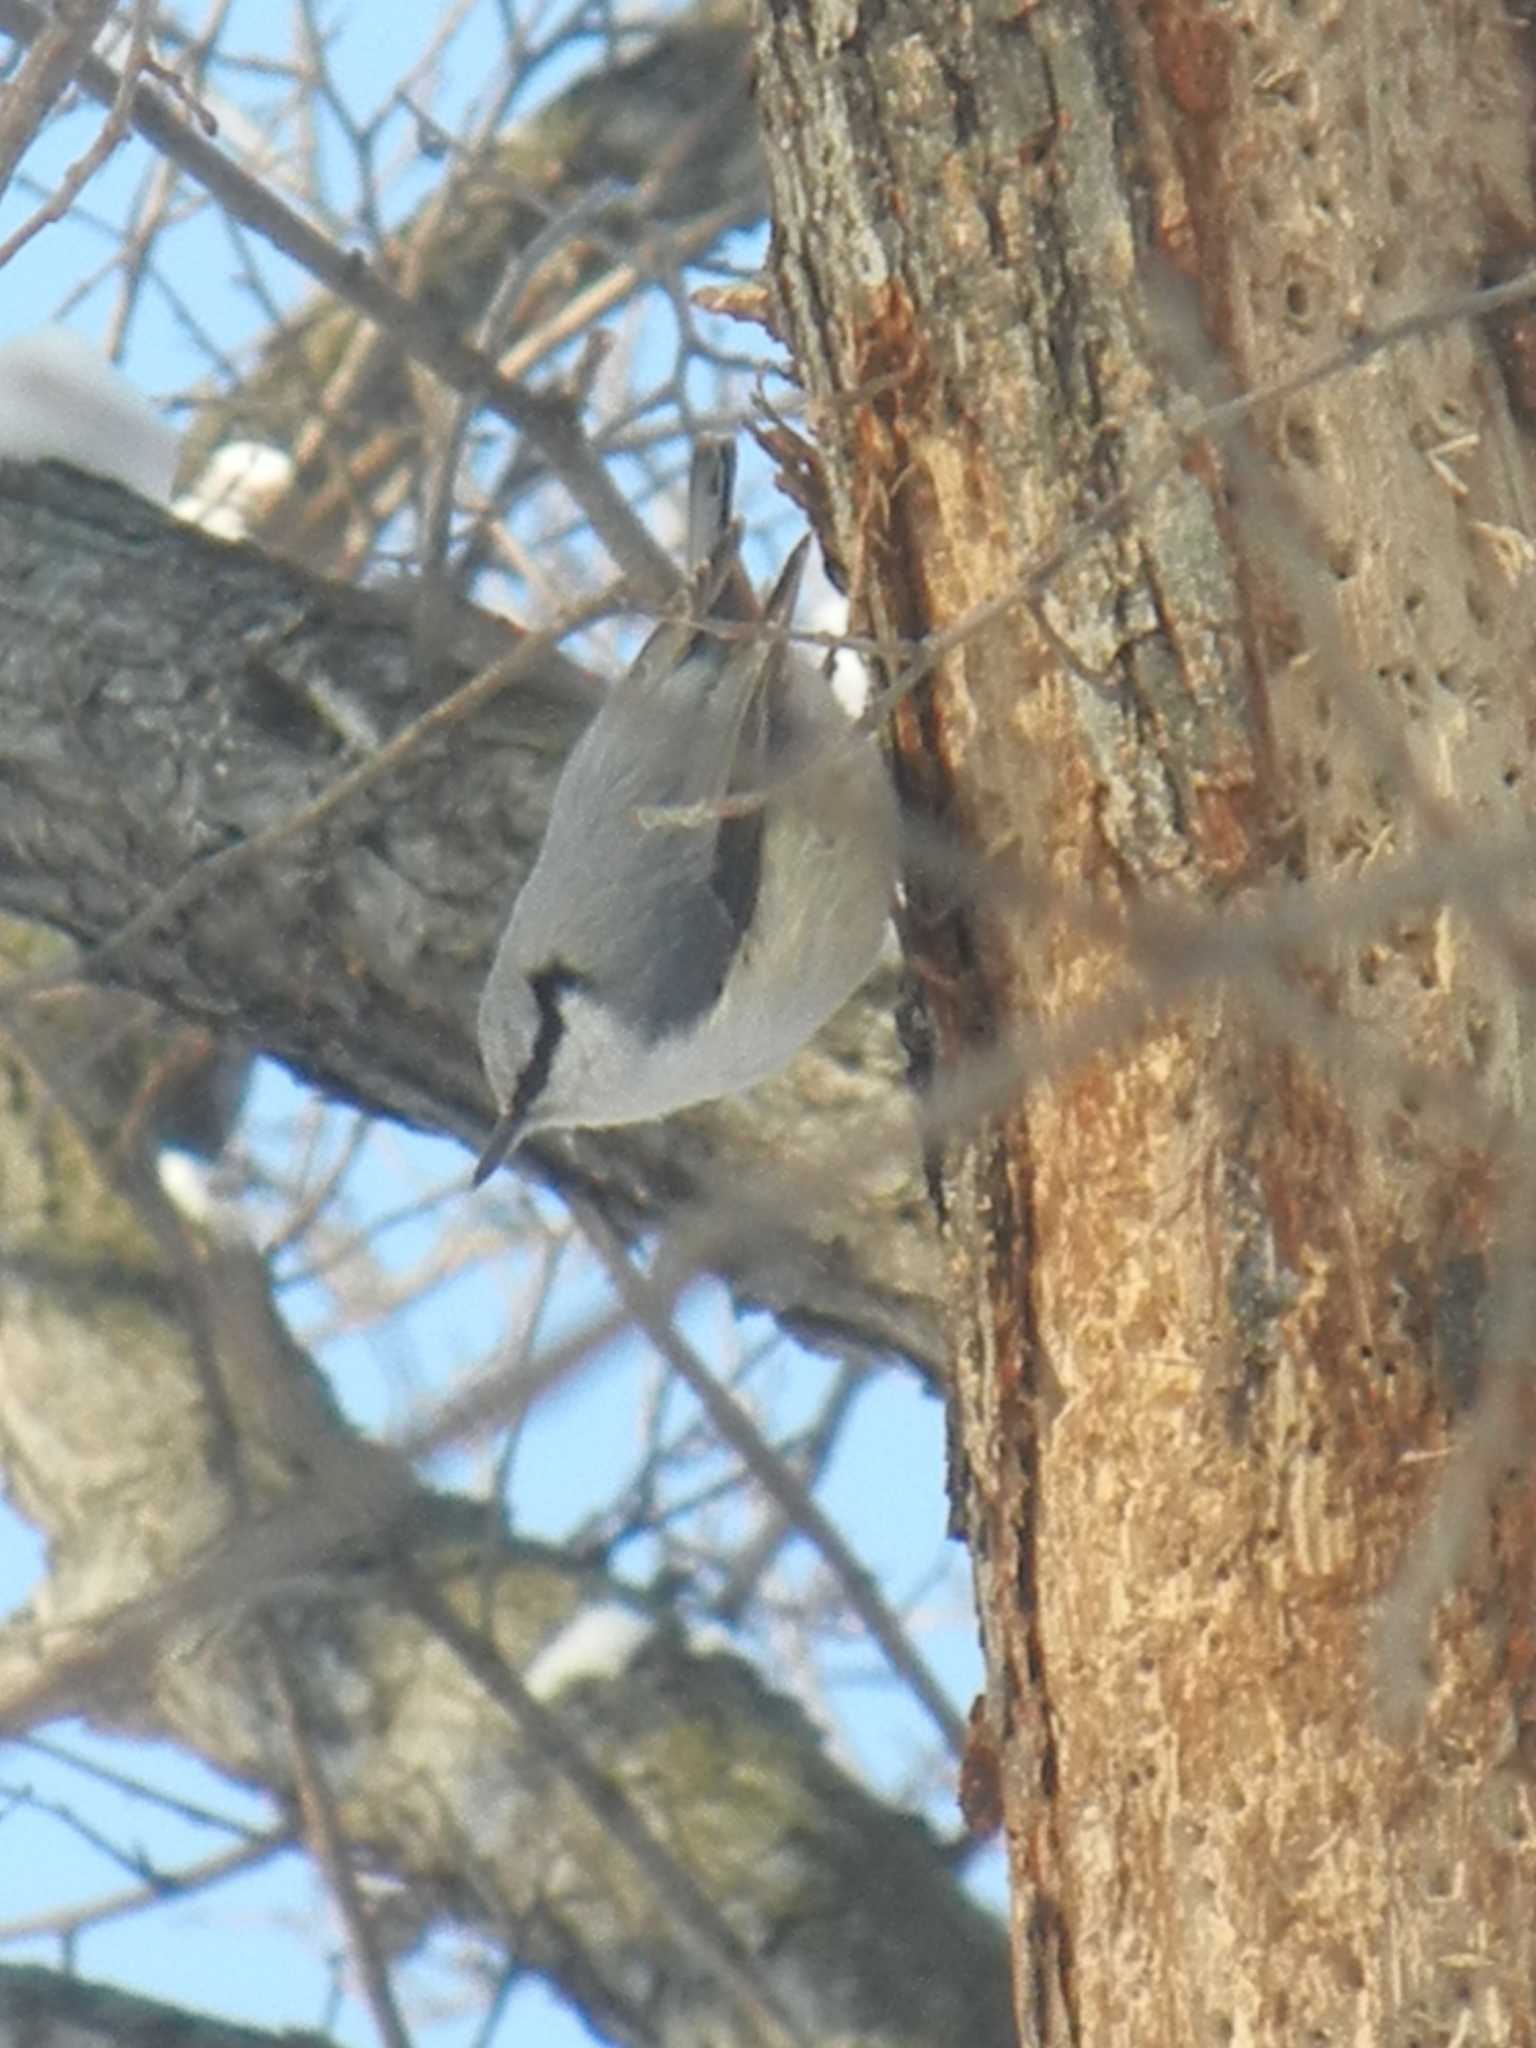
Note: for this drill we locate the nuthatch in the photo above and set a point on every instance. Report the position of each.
(670, 946)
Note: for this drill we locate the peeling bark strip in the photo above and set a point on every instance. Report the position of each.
(1250, 1234)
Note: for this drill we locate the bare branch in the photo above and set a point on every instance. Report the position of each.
(548, 421)
(59, 49)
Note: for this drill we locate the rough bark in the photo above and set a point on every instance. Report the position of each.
(1220, 1274)
(164, 696)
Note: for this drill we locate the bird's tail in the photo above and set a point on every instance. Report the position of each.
(721, 589)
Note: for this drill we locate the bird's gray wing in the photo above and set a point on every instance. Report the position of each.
(702, 878)
(650, 911)
(760, 749)
(629, 907)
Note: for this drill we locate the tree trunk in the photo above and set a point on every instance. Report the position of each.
(1237, 1247)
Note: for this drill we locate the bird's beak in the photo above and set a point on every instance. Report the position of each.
(502, 1141)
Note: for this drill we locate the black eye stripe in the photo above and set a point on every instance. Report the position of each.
(548, 985)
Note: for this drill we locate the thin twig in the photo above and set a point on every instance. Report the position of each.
(155, 1890)
(651, 1310)
(153, 1795)
(547, 420)
(110, 134)
(60, 45)
(327, 1837)
(694, 1915)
